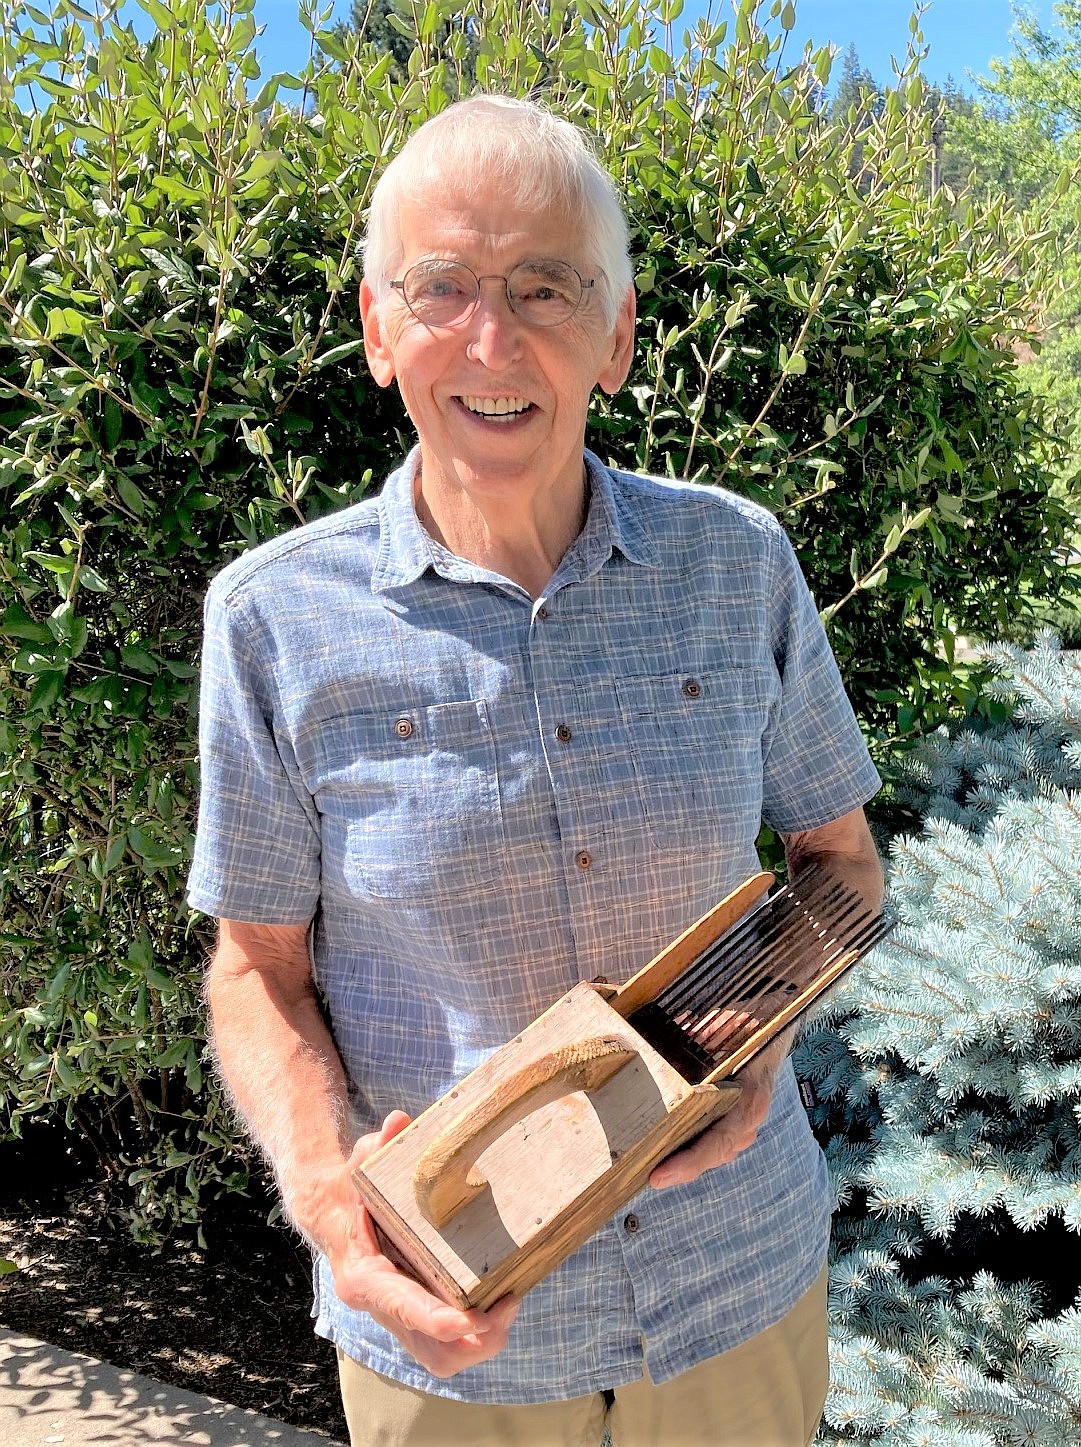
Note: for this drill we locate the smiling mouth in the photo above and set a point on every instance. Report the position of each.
(497, 409)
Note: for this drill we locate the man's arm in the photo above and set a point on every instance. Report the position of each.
(846, 849)
(286, 1079)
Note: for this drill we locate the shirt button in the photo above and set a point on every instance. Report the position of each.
(631, 1224)
(563, 733)
(583, 859)
(692, 688)
(542, 612)
(404, 728)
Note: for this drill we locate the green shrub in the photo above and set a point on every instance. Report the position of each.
(180, 377)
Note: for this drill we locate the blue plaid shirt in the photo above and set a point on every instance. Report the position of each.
(482, 799)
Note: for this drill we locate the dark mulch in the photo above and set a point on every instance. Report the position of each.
(231, 1321)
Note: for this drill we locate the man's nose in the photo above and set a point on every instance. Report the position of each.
(496, 330)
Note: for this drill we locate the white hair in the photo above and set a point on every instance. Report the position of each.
(529, 155)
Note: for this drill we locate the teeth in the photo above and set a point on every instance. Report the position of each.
(496, 406)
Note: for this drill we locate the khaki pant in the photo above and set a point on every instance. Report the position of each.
(767, 1392)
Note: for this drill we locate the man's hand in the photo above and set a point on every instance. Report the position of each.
(442, 1338)
(723, 1141)
(268, 1026)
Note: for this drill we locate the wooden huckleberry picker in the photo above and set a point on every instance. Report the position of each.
(511, 1170)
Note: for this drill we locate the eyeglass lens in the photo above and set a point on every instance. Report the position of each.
(542, 293)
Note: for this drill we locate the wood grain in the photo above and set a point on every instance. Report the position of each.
(552, 1178)
(446, 1179)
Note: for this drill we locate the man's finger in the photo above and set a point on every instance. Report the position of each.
(399, 1299)
(367, 1145)
(445, 1359)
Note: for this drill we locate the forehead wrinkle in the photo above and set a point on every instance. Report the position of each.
(453, 227)
(542, 262)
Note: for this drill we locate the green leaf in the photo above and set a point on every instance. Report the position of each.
(64, 321)
(154, 852)
(131, 495)
(138, 659)
(92, 580)
(58, 984)
(58, 563)
(161, 15)
(67, 1075)
(20, 215)
(337, 354)
(47, 689)
(17, 623)
(264, 164)
(113, 423)
(173, 1055)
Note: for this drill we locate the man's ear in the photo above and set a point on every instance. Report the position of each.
(614, 371)
(380, 357)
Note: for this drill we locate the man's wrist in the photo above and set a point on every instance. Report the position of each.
(321, 1204)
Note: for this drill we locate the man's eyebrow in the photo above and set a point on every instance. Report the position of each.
(543, 263)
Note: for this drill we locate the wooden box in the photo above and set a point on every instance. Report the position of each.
(514, 1168)
(509, 1172)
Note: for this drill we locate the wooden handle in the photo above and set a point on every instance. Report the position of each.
(445, 1178)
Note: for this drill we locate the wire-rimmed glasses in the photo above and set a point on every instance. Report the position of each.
(542, 293)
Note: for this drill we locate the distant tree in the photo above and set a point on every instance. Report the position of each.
(1026, 124)
(1024, 137)
(957, 160)
(858, 95)
(856, 102)
(371, 18)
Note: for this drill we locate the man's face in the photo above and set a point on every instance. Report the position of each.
(540, 378)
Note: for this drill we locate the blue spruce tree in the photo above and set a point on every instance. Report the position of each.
(948, 1076)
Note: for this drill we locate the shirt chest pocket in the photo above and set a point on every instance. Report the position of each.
(695, 745)
(409, 801)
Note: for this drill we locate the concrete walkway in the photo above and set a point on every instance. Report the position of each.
(52, 1398)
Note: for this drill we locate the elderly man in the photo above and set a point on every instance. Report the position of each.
(512, 724)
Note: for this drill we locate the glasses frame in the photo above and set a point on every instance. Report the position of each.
(586, 284)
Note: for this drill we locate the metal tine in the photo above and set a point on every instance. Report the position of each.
(722, 969)
(730, 951)
(816, 956)
(798, 945)
(716, 1046)
(809, 964)
(754, 968)
(817, 921)
(861, 941)
(745, 929)
(732, 1032)
(715, 965)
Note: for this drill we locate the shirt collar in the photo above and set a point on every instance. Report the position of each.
(406, 550)
(615, 515)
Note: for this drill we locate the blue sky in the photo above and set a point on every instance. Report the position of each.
(963, 34)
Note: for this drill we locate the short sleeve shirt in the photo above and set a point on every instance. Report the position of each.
(482, 799)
